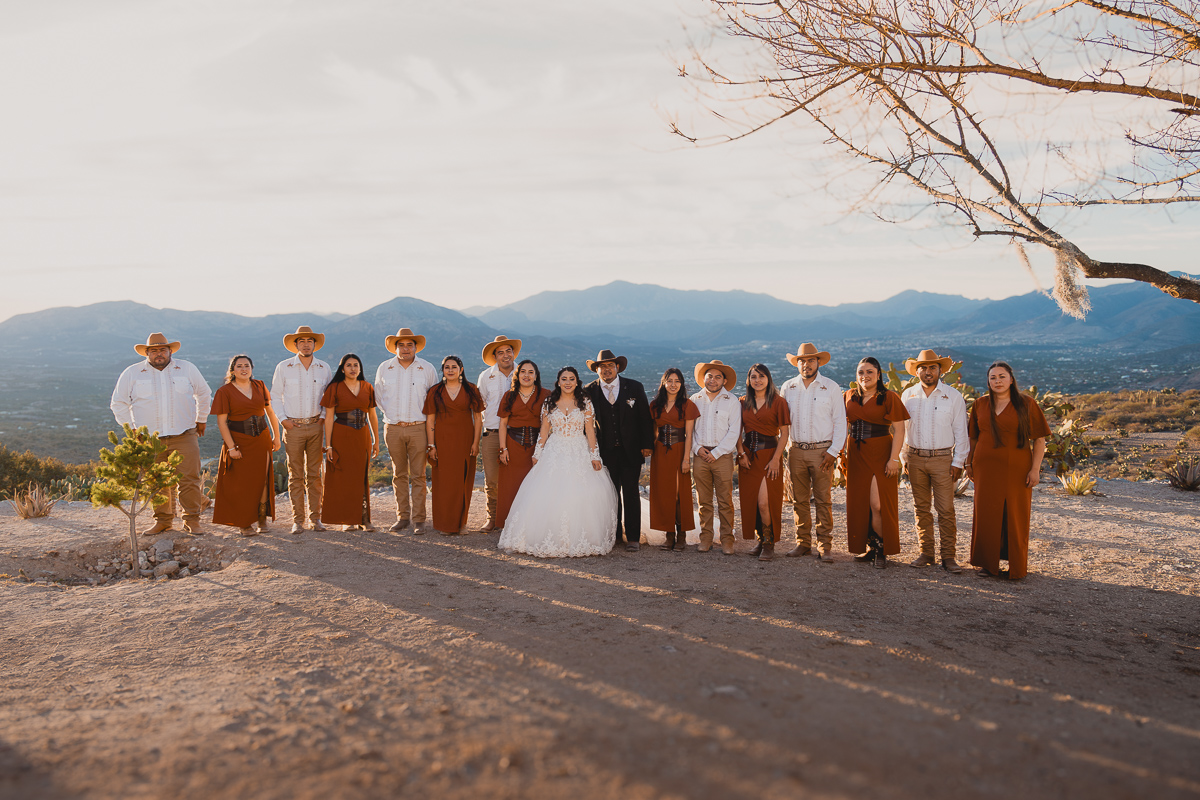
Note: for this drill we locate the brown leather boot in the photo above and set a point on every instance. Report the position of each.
(670, 543)
(758, 548)
(680, 540)
(767, 545)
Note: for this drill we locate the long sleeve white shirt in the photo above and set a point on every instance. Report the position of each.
(167, 401)
(937, 421)
(492, 385)
(818, 411)
(296, 391)
(400, 391)
(719, 425)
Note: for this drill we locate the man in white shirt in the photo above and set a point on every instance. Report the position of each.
(714, 445)
(296, 390)
(818, 434)
(935, 449)
(499, 355)
(401, 384)
(172, 399)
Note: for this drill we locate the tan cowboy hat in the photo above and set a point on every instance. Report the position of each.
(404, 333)
(489, 349)
(726, 370)
(607, 355)
(928, 357)
(155, 340)
(289, 341)
(808, 350)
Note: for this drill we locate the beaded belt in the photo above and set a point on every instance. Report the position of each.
(406, 424)
(755, 441)
(304, 420)
(356, 419)
(941, 451)
(825, 445)
(861, 429)
(669, 435)
(525, 436)
(248, 427)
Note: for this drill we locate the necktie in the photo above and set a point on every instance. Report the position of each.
(611, 392)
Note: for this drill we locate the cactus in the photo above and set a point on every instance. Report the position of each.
(1184, 475)
(1078, 483)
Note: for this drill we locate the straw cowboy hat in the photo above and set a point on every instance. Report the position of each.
(808, 350)
(928, 357)
(289, 341)
(607, 355)
(489, 349)
(726, 370)
(404, 333)
(155, 340)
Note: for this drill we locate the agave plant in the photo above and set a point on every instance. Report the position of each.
(1184, 475)
(35, 501)
(1078, 483)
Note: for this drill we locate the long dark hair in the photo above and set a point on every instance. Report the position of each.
(439, 391)
(658, 406)
(1018, 402)
(556, 395)
(340, 375)
(511, 398)
(771, 392)
(881, 389)
(234, 360)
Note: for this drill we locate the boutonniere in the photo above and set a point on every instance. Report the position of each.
(630, 401)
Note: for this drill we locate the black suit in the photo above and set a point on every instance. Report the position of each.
(623, 430)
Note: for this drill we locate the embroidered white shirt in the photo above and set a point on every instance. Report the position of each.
(818, 411)
(937, 421)
(168, 401)
(296, 392)
(720, 423)
(492, 385)
(400, 391)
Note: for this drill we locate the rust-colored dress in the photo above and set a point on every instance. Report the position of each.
(767, 421)
(347, 501)
(245, 487)
(520, 457)
(999, 471)
(453, 475)
(867, 459)
(670, 489)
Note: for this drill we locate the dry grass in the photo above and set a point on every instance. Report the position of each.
(33, 502)
(1140, 411)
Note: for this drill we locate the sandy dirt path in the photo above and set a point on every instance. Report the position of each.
(374, 665)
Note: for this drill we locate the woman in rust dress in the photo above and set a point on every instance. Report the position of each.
(245, 490)
(873, 465)
(520, 423)
(766, 421)
(352, 439)
(453, 424)
(1008, 439)
(674, 415)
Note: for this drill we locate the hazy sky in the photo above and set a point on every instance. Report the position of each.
(261, 156)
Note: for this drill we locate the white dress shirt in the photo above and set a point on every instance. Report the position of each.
(168, 401)
(296, 392)
(611, 390)
(937, 421)
(492, 385)
(719, 425)
(818, 411)
(400, 391)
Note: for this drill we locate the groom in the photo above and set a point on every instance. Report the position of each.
(625, 435)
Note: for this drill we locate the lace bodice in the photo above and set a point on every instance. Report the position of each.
(573, 424)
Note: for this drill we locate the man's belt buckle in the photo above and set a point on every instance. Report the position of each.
(813, 445)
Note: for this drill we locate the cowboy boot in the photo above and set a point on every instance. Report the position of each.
(758, 548)
(680, 539)
(670, 543)
(767, 544)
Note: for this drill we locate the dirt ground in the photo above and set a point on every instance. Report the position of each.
(356, 664)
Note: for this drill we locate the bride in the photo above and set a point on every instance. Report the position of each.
(567, 505)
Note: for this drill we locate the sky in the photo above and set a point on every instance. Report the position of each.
(264, 156)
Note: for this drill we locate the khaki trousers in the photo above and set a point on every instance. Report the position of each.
(302, 445)
(931, 476)
(708, 479)
(189, 491)
(489, 453)
(406, 447)
(809, 480)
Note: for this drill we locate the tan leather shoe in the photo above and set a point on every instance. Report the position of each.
(317, 526)
(489, 527)
(158, 527)
(797, 551)
(923, 561)
(193, 528)
(825, 556)
(704, 547)
(248, 532)
(297, 528)
(399, 525)
(727, 547)
(950, 565)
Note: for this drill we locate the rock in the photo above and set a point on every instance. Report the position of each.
(146, 573)
(164, 546)
(185, 572)
(166, 568)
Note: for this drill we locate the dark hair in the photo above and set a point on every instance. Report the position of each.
(439, 391)
(556, 395)
(510, 399)
(881, 389)
(234, 360)
(771, 392)
(658, 406)
(1018, 402)
(340, 375)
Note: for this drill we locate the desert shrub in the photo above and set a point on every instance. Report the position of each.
(18, 470)
(33, 501)
(1193, 434)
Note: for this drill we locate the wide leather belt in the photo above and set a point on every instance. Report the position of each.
(825, 445)
(941, 451)
(861, 429)
(669, 435)
(755, 441)
(248, 427)
(356, 418)
(524, 436)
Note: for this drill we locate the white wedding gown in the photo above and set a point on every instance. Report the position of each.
(564, 506)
